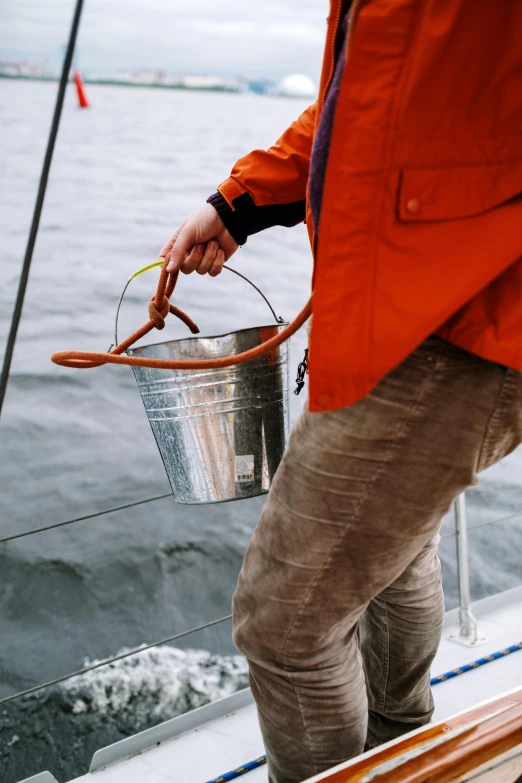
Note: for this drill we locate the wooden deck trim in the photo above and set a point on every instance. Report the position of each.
(494, 728)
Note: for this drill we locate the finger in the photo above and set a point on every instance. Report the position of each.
(217, 266)
(193, 259)
(182, 244)
(167, 247)
(210, 249)
(208, 258)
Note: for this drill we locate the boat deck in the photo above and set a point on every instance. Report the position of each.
(203, 745)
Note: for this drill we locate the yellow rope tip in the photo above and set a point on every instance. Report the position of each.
(147, 268)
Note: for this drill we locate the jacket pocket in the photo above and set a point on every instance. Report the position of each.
(455, 193)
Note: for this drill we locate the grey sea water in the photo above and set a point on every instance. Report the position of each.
(126, 172)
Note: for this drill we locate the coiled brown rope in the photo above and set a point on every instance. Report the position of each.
(159, 308)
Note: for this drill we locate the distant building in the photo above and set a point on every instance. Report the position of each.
(22, 70)
(193, 82)
(294, 86)
(262, 86)
(158, 78)
(148, 76)
(122, 75)
(297, 86)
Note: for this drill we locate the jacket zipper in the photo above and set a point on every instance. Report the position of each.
(334, 39)
(304, 367)
(354, 7)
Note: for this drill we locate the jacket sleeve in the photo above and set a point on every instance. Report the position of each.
(268, 187)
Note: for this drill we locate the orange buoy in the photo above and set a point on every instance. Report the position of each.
(83, 101)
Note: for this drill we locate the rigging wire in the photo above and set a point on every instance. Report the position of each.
(484, 524)
(108, 661)
(495, 521)
(37, 213)
(87, 516)
(125, 506)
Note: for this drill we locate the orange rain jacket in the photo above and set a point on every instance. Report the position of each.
(421, 221)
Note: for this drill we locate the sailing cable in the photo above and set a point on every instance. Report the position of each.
(83, 518)
(485, 524)
(42, 187)
(467, 667)
(114, 509)
(108, 661)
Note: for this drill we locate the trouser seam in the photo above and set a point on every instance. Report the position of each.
(386, 667)
(364, 493)
(375, 732)
(309, 744)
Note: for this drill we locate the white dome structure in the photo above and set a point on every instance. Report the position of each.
(297, 85)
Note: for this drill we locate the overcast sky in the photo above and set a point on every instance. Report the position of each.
(254, 38)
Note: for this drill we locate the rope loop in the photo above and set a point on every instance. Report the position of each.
(159, 307)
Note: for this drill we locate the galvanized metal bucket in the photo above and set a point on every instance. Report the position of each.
(221, 433)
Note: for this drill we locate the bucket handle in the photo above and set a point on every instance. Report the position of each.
(277, 318)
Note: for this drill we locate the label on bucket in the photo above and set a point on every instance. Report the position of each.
(245, 468)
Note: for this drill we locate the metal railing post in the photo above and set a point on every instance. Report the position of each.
(468, 629)
(461, 531)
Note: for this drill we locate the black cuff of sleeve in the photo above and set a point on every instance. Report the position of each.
(231, 219)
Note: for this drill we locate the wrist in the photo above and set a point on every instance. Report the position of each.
(230, 219)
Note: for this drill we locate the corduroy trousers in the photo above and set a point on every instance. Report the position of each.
(339, 605)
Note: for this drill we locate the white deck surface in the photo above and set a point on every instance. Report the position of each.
(204, 753)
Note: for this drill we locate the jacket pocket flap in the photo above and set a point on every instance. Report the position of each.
(453, 193)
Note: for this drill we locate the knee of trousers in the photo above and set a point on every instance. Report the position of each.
(257, 631)
(276, 643)
(247, 629)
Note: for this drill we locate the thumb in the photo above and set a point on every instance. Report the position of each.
(167, 247)
(182, 244)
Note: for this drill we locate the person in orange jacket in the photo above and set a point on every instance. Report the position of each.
(408, 172)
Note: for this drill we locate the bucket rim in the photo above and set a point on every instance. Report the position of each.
(195, 337)
(217, 502)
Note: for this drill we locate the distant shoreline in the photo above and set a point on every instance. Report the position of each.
(117, 83)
